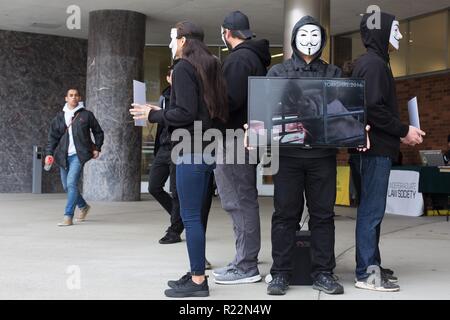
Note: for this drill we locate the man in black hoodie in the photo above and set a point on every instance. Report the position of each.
(386, 133)
(236, 182)
(160, 171)
(309, 170)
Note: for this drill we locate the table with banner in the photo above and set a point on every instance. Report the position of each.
(407, 187)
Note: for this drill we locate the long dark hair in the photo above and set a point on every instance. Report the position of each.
(208, 68)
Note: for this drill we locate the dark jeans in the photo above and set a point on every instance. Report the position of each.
(317, 178)
(162, 167)
(192, 186)
(375, 173)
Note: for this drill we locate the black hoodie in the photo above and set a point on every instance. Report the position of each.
(162, 133)
(250, 58)
(296, 67)
(381, 98)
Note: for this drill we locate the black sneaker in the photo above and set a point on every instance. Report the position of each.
(176, 283)
(169, 238)
(189, 289)
(327, 283)
(387, 271)
(278, 286)
(388, 274)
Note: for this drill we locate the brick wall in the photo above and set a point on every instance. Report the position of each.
(433, 94)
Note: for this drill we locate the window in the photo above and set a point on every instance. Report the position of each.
(424, 48)
(428, 43)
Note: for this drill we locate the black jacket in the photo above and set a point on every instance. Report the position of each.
(162, 134)
(250, 58)
(296, 67)
(81, 131)
(381, 98)
(186, 104)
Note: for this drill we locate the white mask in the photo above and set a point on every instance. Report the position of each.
(222, 32)
(396, 36)
(309, 39)
(173, 42)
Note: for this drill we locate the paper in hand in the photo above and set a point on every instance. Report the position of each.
(139, 97)
(413, 110)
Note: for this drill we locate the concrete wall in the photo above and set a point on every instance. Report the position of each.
(35, 72)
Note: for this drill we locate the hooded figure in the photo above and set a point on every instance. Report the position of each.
(304, 170)
(381, 101)
(297, 67)
(375, 165)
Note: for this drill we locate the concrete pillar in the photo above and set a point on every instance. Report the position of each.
(115, 58)
(294, 10)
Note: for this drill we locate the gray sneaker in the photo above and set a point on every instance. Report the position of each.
(223, 270)
(376, 281)
(236, 276)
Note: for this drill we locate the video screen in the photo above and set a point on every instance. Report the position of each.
(306, 112)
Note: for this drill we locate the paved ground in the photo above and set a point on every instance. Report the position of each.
(117, 255)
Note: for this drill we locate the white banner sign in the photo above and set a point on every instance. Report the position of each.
(403, 195)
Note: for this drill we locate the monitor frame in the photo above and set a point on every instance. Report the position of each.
(313, 145)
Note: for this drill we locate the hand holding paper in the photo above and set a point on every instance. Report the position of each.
(141, 111)
(414, 136)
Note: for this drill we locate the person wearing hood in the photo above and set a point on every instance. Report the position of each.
(309, 170)
(236, 182)
(70, 146)
(387, 131)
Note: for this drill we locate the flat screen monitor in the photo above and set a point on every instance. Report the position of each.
(307, 112)
(432, 158)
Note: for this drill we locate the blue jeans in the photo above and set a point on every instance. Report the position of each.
(192, 188)
(375, 173)
(70, 179)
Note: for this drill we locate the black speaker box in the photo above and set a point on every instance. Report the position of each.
(301, 275)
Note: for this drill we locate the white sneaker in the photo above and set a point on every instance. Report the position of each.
(385, 286)
(376, 281)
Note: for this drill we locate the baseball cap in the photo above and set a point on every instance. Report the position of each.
(238, 22)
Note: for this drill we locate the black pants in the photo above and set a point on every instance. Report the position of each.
(317, 178)
(162, 167)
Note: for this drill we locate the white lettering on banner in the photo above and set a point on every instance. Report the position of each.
(403, 195)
